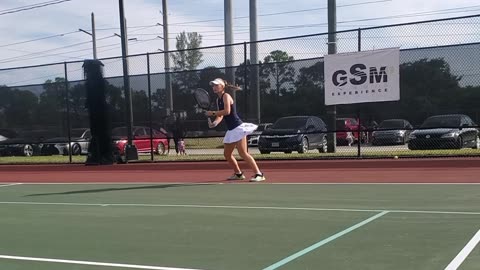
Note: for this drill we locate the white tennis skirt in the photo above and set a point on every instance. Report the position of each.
(236, 134)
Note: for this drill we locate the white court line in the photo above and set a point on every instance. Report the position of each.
(9, 185)
(244, 207)
(464, 253)
(134, 266)
(245, 184)
(323, 242)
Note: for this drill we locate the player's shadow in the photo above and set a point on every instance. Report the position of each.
(118, 189)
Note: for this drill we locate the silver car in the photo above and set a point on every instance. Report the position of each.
(80, 140)
(392, 131)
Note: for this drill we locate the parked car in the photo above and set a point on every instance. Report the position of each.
(141, 139)
(6, 133)
(26, 143)
(349, 127)
(392, 131)
(445, 131)
(252, 139)
(79, 141)
(294, 133)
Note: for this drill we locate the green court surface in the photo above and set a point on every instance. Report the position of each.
(239, 226)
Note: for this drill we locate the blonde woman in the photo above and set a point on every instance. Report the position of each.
(236, 136)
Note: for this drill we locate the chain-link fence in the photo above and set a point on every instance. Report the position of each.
(439, 75)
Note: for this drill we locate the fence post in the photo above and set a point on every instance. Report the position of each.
(68, 114)
(150, 106)
(359, 31)
(245, 82)
(359, 134)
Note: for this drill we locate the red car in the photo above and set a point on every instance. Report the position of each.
(141, 139)
(349, 127)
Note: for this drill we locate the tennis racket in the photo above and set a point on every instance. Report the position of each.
(203, 100)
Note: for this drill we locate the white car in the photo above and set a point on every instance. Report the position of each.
(252, 139)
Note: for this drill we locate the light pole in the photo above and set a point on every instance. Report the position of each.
(94, 39)
(128, 39)
(228, 26)
(332, 49)
(130, 150)
(254, 82)
(168, 83)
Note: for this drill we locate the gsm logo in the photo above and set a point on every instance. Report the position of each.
(358, 75)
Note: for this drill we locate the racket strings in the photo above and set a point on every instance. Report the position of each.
(202, 98)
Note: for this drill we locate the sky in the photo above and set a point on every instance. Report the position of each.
(50, 34)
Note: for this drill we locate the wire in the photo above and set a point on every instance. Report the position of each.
(287, 12)
(37, 39)
(46, 54)
(30, 7)
(115, 46)
(17, 58)
(11, 9)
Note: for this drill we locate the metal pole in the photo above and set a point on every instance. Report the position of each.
(360, 133)
(332, 49)
(69, 134)
(254, 83)
(150, 106)
(359, 39)
(228, 19)
(168, 83)
(94, 39)
(125, 33)
(130, 151)
(245, 80)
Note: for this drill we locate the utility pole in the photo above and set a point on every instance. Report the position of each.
(130, 150)
(166, 52)
(94, 39)
(254, 81)
(228, 19)
(332, 49)
(128, 39)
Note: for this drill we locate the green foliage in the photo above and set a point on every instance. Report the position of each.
(277, 71)
(187, 57)
(17, 107)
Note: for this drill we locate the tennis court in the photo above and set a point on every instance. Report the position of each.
(238, 226)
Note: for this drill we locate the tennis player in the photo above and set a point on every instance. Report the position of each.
(236, 135)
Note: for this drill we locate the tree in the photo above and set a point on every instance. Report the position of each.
(187, 58)
(140, 107)
(429, 86)
(52, 106)
(278, 74)
(207, 75)
(310, 90)
(277, 70)
(77, 103)
(469, 100)
(17, 107)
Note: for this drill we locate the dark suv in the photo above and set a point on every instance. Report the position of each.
(294, 133)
